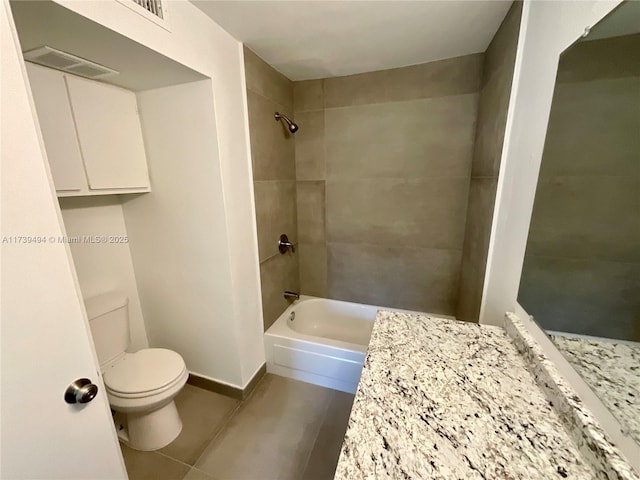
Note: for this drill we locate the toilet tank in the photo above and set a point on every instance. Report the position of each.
(109, 321)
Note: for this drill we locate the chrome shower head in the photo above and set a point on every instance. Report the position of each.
(293, 128)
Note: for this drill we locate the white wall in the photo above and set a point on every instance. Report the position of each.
(104, 266)
(175, 230)
(547, 29)
(199, 43)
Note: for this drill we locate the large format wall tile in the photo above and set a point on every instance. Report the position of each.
(417, 139)
(313, 269)
(493, 107)
(594, 129)
(274, 174)
(470, 290)
(263, 79)
(454, 76)
(311, 212)
(277, 274)
(497, 77)
(395, 148)
(272, 146)
(603, 58)
(501, 52)
(482, 196)
(582, 266)
(492, 120)
(308, 95)
(411, 278)
(587, 217)
(309, 146)
(275, 214)
(582, 296)
(476, 245)
(425, 213)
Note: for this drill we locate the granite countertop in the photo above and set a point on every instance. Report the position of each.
(612, 370)
(442, 399)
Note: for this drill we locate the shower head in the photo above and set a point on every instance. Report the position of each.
(293, 128)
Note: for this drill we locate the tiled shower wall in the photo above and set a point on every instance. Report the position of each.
(383, 165)
(389, 184)
(582, 266)
(497, 76)
(274, 181)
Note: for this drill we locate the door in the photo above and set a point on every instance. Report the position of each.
(45, 341)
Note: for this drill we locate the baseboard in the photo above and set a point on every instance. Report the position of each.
(224, 389)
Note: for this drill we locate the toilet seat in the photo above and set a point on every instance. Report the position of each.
(144, 373)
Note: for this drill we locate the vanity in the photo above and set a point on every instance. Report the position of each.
(445, 399)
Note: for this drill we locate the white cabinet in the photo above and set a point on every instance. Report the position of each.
(110, 135)
(58, 128)
(92, 134)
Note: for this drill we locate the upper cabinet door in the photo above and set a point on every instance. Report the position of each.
(57, 126)
(110, 135)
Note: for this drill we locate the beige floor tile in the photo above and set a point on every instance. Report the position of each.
(195, 474)
(203, 413)
(324, 456)
(272, 435)
(152, 465)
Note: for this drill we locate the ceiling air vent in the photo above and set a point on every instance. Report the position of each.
(50, 57)
(153, 6)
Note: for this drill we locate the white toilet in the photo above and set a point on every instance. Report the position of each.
(140, 386)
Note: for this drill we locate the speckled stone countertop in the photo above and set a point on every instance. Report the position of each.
(442, 399)
(612, 370)
(588, 434)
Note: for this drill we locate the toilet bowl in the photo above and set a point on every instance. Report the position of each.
(141, 386)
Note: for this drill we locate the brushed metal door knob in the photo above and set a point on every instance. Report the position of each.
(80, 391)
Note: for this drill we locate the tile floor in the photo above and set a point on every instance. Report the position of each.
(285, 430)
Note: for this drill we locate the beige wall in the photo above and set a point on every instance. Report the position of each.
(492, 118)
(274, 177)
(582, 266)
(383, 162)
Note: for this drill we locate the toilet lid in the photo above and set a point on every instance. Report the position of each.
(144, 371)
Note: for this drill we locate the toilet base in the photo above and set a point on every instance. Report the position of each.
(147, 431)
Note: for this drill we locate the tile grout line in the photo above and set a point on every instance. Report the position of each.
(295, 244)
(201, 471)
(218, 432)
(404, 100)
(317, 435)
(171, 458)
(285, 108)
(230, 417)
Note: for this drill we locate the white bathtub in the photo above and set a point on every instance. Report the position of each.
(321, 341)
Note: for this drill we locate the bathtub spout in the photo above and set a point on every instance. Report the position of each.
(291, 296)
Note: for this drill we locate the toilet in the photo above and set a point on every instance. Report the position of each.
(141, 386)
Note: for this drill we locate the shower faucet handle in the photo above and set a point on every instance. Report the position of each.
(284, 244)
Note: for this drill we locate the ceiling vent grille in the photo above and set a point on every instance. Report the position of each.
(153, 6)
(50, 57)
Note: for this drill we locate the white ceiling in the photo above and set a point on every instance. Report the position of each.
(317, 39)
(47, 23)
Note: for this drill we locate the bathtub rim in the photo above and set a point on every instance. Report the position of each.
(281, 329)
(281, 337)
